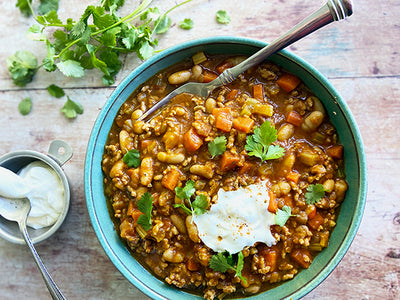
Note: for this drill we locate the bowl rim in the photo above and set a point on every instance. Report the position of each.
(91, 148)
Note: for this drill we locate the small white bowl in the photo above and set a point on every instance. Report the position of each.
(58, 154)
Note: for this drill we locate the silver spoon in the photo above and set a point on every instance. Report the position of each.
(333, 10)
(17, 210)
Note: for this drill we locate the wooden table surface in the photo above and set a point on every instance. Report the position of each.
(359, 56)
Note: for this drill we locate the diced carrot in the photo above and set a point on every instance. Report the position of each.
(191, 140)
(245, 168)
(258, 91)
(144, 144)
(208, 76)
(192, 265)
(293, 176)
(270, 257)
(315, 222)
(136, 213)
(293, 117)
(288, 201)
(311, 211)
(243, 124)
(224, 66)
(335, 151)
(302, 257)
(273, 203)
(127, 231)
(232, 94)
(288, 82)
(171, 179)
(223, 118)
(228, 161)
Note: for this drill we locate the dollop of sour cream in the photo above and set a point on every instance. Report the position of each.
(240, 218)
(46, 194)
(11, 185)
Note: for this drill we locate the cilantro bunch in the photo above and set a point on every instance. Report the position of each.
(96, 40)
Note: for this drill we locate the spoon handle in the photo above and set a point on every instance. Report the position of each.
(333, 10)
(51, 286)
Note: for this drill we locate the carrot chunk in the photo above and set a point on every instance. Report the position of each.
(273, 203)
(270, 257)
(316, 221)
(245, 168)
(224, 66)
(288, 82)
(228, 161)
(232, 94)
(258, 91)
(223, 118)
(192, 265)
(293, 176)
(208, 76)
(191, 140)
(171, 179)
(243, 124)
(294, 118)
(302, 257)
(335, 151)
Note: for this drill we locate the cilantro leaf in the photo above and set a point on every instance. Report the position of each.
(145, 205)
(217, 146)
(55, 91)
(22, 66)
(186, 192)
(71, 68)
(259, 143)
(223, 17)
(223, 261)
(200, 204)
(25, 7)
(108, 4)
(282, 215)
(71, 109)
(163, 23)
(186, 24)
(315, 192)
(25, 106)
(47, 6)
(34, 33)
(132, 158)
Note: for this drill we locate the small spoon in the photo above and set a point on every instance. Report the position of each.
(333, 10)
(17, 210)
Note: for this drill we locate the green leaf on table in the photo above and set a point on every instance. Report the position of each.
(71, 109)
(55, 91)
(223, 17)
(163, 23)
(25, 106)
(22, 66)
(71, 68)
(34, 33)
(109, 4)
(186, 24)
(145, 51)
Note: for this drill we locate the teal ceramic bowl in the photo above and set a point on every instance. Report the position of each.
(352, 207)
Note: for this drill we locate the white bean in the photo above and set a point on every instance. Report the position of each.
(312, 121)
(179, 77)
(285, 132)
(192, 230)
(171, 158)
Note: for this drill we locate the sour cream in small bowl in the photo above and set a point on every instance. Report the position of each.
(44, 183)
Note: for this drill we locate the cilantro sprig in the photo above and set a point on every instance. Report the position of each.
(145, 205)
(96, 40)
(259, 143)
(217, 146)
(314, 194)
(282, 215)
(223, 261)
(223, 17)
(186, 24)
(198, 206)
(132, 158)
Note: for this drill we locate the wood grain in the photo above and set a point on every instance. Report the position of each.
(360, 56)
